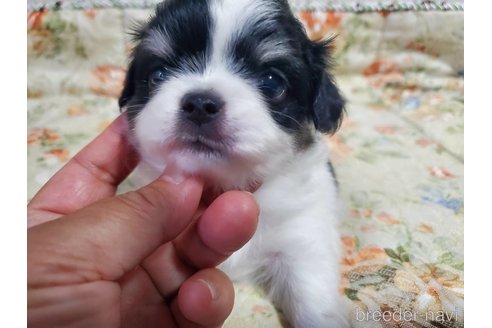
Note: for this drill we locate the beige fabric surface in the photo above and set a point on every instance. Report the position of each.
(398, 155)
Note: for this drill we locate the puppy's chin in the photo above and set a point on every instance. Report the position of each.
(219, 168)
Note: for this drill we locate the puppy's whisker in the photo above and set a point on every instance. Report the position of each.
(133, 109)
(289, 117)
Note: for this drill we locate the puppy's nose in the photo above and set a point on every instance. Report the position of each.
(201, 107)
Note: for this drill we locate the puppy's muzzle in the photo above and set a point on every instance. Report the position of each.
(201, 107)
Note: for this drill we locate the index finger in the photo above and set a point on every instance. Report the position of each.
(92, 174)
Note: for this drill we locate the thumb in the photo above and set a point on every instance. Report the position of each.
(110, 237)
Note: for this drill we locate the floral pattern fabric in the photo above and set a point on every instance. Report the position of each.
(398, 155)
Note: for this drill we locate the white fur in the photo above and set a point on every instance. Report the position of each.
(295, 251)
(230, 16)
(296, 248)
(257, 144)
(158, 42)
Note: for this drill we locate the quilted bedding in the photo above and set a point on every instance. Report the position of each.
(398, 155)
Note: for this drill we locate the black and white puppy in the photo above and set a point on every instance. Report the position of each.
(234, 91)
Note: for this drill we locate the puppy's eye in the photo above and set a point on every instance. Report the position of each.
(273, 86)
(157, 77)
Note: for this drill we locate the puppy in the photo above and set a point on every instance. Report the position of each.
(235, 92)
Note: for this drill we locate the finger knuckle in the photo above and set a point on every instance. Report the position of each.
(149, 201)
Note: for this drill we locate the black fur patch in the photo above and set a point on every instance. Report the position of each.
(187, 25)
(332, 171)
(311, 94)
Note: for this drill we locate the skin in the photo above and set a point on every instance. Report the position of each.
(142, 259)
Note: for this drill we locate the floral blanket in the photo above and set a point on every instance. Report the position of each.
(398, 155)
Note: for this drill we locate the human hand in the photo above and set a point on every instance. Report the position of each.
(142, 259)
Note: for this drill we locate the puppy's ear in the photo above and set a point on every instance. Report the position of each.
(129, 86)
(328, 104)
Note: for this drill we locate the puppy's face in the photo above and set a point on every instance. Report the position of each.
(228, 89)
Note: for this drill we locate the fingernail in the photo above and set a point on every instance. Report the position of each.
(211, 288)
(173, 175)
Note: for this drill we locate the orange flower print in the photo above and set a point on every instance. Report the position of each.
(424, 142)
(38, 136)
(387, 218)
(356, 213)
(414, 45)
(368, 228)
(425, 228)
(430, 272)
(35, 19)
(107, 80)
(381, 66)
(372, 253)
(314, 21)
(76, 110)
(385, 13)
(34, 137)
(367, 213)
(319, 24)
(440, 172)
(349, 242)
(307, 18)
(366, 254)
(349, 245)
(386, 129)
(90, 13)
(333, 18)
(62, 154)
